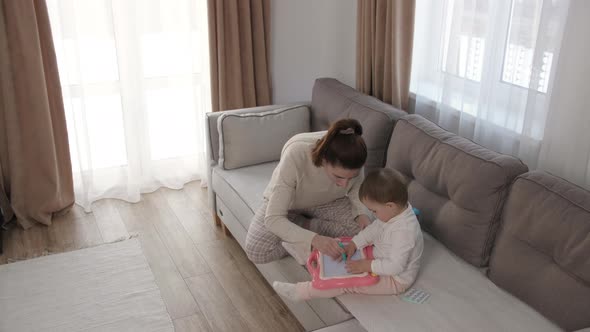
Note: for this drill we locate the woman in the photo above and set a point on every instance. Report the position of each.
(312, 196)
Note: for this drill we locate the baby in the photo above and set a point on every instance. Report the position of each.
(396, 235)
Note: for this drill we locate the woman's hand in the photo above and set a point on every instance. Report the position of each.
(358, 266)
(328, 246)
(363, 220)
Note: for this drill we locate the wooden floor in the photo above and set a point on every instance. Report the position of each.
(206, 280)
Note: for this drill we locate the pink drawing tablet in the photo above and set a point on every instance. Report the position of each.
(323, 276)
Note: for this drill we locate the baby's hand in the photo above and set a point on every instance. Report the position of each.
(349, 249)
(358, 266)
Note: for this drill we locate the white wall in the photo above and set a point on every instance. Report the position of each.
(311, 39)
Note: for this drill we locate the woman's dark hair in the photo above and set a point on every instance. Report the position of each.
(342, 146)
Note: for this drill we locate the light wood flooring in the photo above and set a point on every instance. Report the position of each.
(206, 280)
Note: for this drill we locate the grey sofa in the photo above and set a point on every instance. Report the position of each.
(505, 249)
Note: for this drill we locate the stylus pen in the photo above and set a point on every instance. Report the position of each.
(343, 254)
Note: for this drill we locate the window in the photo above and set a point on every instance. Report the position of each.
(523, 33)
(490, 61)
(468, 36)
(135, 82)
(464, 39)
(123, 63)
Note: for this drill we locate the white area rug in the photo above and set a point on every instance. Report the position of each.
(105, 288)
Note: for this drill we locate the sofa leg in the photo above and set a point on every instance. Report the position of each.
(216, 219)
(219, 222)
(226, 231)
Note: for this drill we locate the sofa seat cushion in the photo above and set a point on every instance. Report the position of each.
(542, 254)
(461, 299)
(242, 188)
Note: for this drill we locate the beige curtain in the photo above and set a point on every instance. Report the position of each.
(239, 35)
(385, 31)
(35, 166)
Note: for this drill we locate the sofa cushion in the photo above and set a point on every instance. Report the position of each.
(542, 254)
(211, 126)
(461, 299)
(458, 186)
(244, 138)
(242, 188)
(332, 100)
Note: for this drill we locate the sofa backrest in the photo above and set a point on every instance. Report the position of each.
(458, 186)
(332, 100)
(542, 252)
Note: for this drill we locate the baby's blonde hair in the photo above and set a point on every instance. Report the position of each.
(384, 185)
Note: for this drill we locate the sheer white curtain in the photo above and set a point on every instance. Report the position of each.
(484, 69)
(136, 87)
